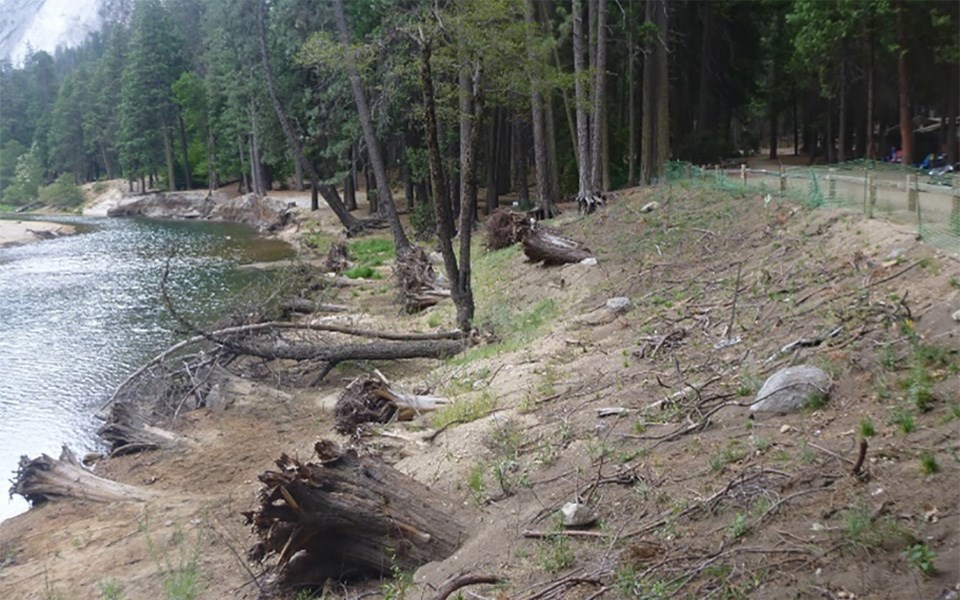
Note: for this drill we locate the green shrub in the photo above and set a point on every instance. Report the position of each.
(64, 192)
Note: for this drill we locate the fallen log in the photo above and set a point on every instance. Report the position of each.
(372, 399)
(42, 479)
(303, 306)
(347, 517)
(126, 432)
(542, 245)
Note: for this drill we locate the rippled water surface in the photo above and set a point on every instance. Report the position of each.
(80, 313)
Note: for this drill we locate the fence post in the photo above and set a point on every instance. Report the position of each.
(872, 184)
(912, 193)
(783, 181)
(832, 185)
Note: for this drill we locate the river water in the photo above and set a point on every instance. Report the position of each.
(80, 313)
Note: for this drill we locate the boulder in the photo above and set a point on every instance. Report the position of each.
(266, 214)
(791, 389)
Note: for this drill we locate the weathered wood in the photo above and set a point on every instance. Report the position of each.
(306, 307)
(338, 258)
(44, 478)
(347, 516)
(541, 245)
(419, 287)
(371, 399)
(126, 431)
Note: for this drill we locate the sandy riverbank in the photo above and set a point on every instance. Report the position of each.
(15, 232)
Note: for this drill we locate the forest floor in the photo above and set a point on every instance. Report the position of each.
(695, 499)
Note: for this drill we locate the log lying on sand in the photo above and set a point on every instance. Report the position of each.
(303, 306)
(41, 479)
(371, 399)
(126, 432)
(346, 517)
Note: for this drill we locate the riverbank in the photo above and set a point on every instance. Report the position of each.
(16, 232)
(640, 413)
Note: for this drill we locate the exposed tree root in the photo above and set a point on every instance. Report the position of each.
(41, 479)
(373, 400)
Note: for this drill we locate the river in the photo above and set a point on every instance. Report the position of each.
(80, 313)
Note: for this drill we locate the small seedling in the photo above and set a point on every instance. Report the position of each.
(921, 557)
(902, 418)
(817, 401)
(739, 527)
(866, 428)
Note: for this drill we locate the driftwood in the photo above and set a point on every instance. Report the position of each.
(542, 245)
(374, 400)
(127, 432)
(226, 336)
(419, 287)
(41, 479)
(346, 517)
(303, 306)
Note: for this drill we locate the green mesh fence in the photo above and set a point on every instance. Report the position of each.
(928, 204)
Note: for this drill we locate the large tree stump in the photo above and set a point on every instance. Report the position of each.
(346, 517)
(373, 400)
(41, 479)
(419, 286)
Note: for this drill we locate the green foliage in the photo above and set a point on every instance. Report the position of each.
(866, 428)
(110, 590)
(903, 419)
(63, 193)
(424, 221)
(928, 464)
(555, 553)
(921, 558)
(362, 272)
(28, 176)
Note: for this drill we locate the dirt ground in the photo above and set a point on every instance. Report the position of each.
(694, 497)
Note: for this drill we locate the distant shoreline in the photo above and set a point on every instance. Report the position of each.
(14, 232)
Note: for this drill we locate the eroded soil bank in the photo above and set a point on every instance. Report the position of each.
(642, 415)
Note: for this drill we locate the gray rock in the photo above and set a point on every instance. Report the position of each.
(619, 305)
(577, 515)
(650, 207)
(589, 261)
(956, 316)
(790, 389)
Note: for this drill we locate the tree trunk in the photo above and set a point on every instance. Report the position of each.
(903, 81)
(349, 222)
(842, 121)
(655, 130)
(703, 122)
(599, 99)
(544, 202)
(212, 179)
(348, 516)
(519, 164)
(187, 178)
(493, 152)
(384, 197)
(586, 195)
(441, 206)
(468, 211)
(168, 154)
(544, 16)
(870, 145)
(631, 109)
(952, 142)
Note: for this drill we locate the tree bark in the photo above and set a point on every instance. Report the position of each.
(655, 145)
(704, 122)
(544, 202)
(599, 99)
(903, 81)
(586, 195)
(187, 178)
(346, 516)
(870, 153)
(631, 109)
(384, 197)
(462, 298)
(168, 154)
(42, 479)
(842, 121)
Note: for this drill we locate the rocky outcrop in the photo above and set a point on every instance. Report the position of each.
(264, 213)
(792, 389)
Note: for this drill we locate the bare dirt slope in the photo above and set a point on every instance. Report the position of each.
(694, 498)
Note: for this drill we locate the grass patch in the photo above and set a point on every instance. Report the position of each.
(372, 251)
(362, 272)
(862, 532)
(555, 553)
(903, 419)
(464, 411)
(866, 428)
(928, 464)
